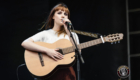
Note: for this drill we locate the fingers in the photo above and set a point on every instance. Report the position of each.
(57, 56)
(54, 58)
(65, 20)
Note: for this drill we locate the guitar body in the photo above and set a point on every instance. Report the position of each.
(50, 66)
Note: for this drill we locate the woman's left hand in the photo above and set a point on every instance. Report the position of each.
(64, 20)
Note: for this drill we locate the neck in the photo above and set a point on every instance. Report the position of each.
(56, 27)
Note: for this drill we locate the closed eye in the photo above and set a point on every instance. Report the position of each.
(59, 12)
(65, 14)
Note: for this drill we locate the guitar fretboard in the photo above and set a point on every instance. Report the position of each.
(82, 46)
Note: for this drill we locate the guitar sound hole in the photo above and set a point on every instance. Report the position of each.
(60, 51)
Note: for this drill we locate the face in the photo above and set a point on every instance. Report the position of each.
(58, 15)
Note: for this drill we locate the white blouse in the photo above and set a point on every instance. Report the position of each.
(50, 36)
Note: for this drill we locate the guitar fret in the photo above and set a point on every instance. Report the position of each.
(97, 41)
(88, 43)
(64, 51)
(70, 50)
(92, 43)
(84, 45)
(67, 50)
(79, 47)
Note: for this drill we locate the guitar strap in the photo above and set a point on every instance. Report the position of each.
(95, 35)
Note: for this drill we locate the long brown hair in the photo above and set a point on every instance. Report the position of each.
(50, 22)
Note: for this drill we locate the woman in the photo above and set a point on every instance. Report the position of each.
(56, 21)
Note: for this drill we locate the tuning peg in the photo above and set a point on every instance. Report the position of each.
(111, 42)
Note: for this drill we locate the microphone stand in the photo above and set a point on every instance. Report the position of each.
(78, 53)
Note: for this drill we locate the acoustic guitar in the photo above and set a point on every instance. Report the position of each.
(40, 65)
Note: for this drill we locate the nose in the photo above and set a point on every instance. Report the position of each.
(62, 16)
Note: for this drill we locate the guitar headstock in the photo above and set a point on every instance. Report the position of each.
(114, 37)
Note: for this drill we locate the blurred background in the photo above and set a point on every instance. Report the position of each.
(20, 19)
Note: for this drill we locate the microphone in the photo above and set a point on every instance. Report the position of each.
(67, 23)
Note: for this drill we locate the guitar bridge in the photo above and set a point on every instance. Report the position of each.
(41, 58)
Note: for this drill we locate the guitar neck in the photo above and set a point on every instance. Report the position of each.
(82, 46)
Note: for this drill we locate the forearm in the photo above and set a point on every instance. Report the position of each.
(34, 47)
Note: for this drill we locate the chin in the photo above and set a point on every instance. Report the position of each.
(61, 24)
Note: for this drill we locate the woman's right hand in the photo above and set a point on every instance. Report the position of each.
(54, 54)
